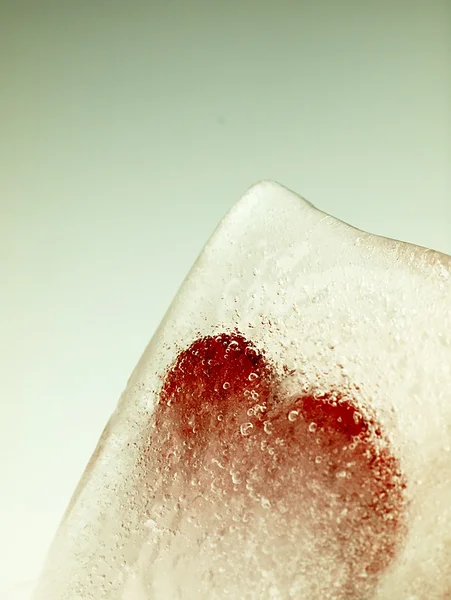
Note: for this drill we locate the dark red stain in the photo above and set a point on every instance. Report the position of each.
(222, 409)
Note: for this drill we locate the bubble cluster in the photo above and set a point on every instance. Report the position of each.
(312, 462)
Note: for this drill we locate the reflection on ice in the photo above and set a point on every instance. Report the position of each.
(287, 432)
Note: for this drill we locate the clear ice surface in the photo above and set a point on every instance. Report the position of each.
(287, 432)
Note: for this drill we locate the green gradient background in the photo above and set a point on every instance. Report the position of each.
(127, 130)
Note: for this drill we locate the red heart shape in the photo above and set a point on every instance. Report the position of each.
(303, 469)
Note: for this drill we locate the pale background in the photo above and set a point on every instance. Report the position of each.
(128, 129)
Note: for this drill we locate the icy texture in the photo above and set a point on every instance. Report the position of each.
(286, 434)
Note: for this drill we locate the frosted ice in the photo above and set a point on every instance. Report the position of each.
(287, 431)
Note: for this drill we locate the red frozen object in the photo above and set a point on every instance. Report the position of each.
(224, 416)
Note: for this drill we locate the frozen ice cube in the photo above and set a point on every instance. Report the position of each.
(287, 431)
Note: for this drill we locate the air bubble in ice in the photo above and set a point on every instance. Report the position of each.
(267, 427)
(236, 476)
(253, 376)
(226, 385)
(293, 415)
(265, 503)
(312, 427)
(246, 428)
(341, 474)
(233, 345)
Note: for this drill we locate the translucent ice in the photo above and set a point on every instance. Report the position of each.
(287, 432)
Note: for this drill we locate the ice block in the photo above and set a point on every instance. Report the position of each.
(286, 433)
